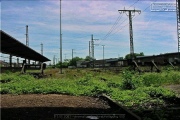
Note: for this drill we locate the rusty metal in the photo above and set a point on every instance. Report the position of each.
(129, 115)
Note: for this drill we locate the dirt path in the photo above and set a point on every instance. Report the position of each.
(50, 100)
(38, 106)
(175, 88)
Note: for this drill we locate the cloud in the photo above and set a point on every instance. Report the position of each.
(85, 17)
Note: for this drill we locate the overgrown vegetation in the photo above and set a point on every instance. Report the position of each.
(81, 82)
(130, 89)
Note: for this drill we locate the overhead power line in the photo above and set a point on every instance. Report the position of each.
(114, 26)
(132, 18)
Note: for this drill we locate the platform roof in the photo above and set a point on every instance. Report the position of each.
(10, 45)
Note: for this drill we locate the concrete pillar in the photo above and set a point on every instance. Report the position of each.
(35, 63)
(24, 62)
(10, 61)
(29, 61)
(17, 62)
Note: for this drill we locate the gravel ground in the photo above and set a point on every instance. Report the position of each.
(175, 88)
(39, 106)
(50, 100)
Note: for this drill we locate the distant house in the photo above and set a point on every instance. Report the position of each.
(123, 62)
(82, 64)
(113, 62)
(98, 63)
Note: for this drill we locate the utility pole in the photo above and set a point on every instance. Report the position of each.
(10, 60)
(27, 40)
(92, 48)
(89, 48)
(27, 37)
(17, 62)
(65, 56)
(178, 23)
(72, 53)
(103, 55)
(131, 13)
(41, 49)
(54, 60)
(60, 42)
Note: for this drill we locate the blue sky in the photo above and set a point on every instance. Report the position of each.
(154, 32)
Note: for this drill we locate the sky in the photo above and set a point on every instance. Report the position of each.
(154, 32)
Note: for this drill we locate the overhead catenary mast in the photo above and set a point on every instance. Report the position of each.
(130, 14)
(60, 42)
(178, 23)
(103, 55)
(27, 37)
(72, 53)
(92, 48)
(41, 49)
(27, 40)
(89, 48)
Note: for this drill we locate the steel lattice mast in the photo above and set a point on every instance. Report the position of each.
(60, 43)
(178, 23)
(131, 13)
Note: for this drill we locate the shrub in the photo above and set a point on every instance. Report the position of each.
(127, 82)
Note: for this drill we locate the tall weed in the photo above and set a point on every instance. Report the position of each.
(127, 81)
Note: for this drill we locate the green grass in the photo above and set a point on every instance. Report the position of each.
(128, 88)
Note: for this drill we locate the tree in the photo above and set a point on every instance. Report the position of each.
(141, 54)
(64, 64)
(128, 56)
(74, 60)
(88, 58)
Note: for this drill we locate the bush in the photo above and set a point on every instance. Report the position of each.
(127, 81)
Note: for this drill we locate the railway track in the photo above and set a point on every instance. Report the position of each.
(170, 112)
(123, 112)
